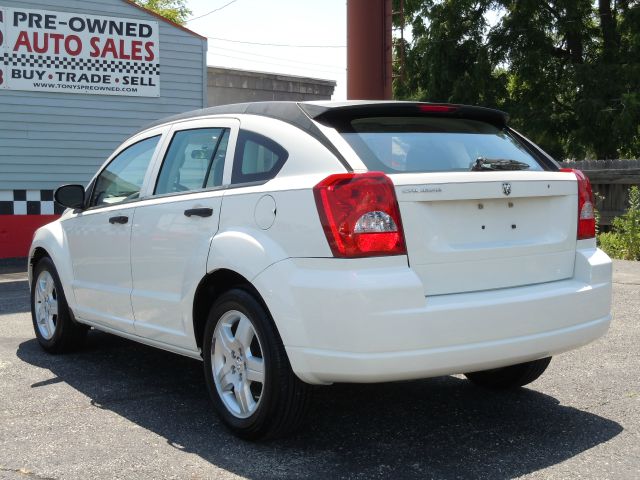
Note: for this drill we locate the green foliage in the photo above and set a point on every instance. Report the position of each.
(174, 10)
(612, 244)
(568, 71)
(624, 241)
(448, 60)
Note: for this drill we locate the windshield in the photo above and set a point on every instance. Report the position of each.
(429, 144)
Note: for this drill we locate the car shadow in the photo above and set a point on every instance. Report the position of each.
(436, 428)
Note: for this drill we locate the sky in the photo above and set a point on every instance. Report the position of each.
(318, 29)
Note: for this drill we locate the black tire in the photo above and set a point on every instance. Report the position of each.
(513, 376)
(68, 335)
(283, 398)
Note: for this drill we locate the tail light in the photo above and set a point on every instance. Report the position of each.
(360, 215)
(586, 209)
(429, 108)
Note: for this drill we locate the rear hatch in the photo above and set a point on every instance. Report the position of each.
(481, 207)
(465, 233)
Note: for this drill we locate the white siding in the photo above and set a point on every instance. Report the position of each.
(49, 138)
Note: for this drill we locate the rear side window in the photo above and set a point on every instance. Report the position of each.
(429, 144)
(257, 158)
(194, 160)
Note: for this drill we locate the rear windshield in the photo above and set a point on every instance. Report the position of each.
(428, 144)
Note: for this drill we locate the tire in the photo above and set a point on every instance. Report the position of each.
(513, 376)
(54, 326)
(251, 404)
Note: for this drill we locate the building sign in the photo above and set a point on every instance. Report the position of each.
(77, 53)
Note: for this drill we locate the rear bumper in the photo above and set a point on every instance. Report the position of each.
(325, 366)
(368, 320)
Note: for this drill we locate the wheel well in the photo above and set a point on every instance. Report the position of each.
(38, 254)
(210, 288)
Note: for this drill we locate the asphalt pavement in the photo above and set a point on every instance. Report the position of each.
(122, 410)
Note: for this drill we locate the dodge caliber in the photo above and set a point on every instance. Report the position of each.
(293, 244)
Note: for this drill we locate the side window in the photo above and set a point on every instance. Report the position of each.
(194, 160)
(257, 158)
(122, 179)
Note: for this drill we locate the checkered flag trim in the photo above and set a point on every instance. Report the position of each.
(28, 202)
(81, 64)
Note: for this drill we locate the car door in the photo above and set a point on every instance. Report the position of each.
(99, 236)
(174, 226)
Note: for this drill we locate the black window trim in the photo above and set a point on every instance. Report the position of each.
(215, 152)
(239, 178)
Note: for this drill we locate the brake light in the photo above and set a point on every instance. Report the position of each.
(437, 108)
(360, 215)
(586, 202)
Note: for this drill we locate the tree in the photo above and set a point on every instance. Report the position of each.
(567, 71)
(174, 10)
(448, 60)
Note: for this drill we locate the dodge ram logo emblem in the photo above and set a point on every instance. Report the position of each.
(506, 188)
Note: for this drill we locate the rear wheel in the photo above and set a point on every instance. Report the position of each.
(510, 377)
(55, 329)
(247, 371)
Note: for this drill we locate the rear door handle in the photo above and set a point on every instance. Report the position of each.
(199, 212)
(119, 219)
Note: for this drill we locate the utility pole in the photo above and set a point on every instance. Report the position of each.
(369, 49)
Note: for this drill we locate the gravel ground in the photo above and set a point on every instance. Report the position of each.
(122, 410)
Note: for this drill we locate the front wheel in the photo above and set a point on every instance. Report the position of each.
(512, 376)
(247, 371)
(55, 328)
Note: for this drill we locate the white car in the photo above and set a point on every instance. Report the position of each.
(288, 244)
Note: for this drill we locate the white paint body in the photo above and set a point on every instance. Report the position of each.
(464, 298)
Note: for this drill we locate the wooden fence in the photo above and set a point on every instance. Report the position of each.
(611, 179)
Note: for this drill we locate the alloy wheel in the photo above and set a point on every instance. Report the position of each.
(237, 364)
(46, 305)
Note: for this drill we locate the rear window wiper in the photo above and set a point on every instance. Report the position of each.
(486, 164)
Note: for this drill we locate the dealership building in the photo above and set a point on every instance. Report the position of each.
(78, 77)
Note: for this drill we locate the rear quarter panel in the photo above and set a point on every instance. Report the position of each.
(246, 246)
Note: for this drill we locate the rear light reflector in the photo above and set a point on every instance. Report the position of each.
(360, 215)
(586, 206)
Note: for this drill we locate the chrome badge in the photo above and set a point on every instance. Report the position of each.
(422, 189)
(506, 188)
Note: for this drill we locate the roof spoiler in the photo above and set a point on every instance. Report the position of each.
(329, 115)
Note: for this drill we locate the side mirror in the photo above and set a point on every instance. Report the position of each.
(70, 196)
